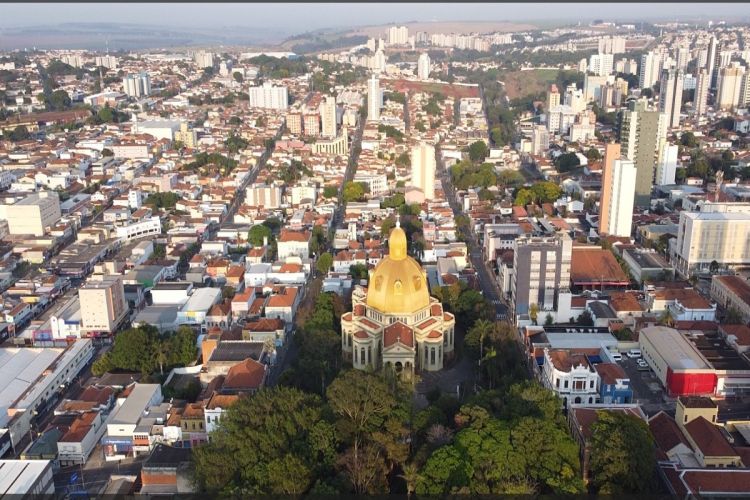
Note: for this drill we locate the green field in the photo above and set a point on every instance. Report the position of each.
(523, 83)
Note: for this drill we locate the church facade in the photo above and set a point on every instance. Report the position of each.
(394, 322)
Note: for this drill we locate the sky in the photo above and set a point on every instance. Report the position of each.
(303, 17)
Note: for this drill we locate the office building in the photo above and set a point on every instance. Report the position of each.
(612, 152)
(204, 59)
(708, 236)
(374, 99)
(268, 96)
(729, 86)
(103, 305)
(622, 192)
(642, 132)
(553, 97)
(423, 169)
(35, 214)
(423, 66)
(700, 102)
(670, 96)
(542, 275)
(601, 64)
(667, 168)
(328, 117)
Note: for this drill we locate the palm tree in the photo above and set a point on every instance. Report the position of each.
(484, 328)
(161, 355)
(410, 475)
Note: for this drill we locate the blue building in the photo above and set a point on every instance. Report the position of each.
(614, 385)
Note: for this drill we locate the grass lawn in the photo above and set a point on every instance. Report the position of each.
(523, 83)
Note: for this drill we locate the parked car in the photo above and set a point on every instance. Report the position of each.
(616, 356)
(634, 353)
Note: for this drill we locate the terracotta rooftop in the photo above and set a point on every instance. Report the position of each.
(595, 265)
(666, 432)
(610, 373)
(398, 332)
(248, 374)
(709, 439)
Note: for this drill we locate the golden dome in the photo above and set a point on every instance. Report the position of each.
(398, 285)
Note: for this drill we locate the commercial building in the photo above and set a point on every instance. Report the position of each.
(150, 226)
(34, 214)
(676, 361)
(26, 479)
(123, 435)
(423, 169)
(642, 132)
(103, 305)
(268, 96)
(542, 275)
(670, 95)
(263, 195)
(33, 380)
(423, 66)
(704, 237)
(374, 99)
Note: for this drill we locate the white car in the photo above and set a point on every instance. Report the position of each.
(634, 353)
(616, 356)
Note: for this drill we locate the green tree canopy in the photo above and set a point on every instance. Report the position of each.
(257, 233)
(353, 191)
(478, 151)
(325, 261)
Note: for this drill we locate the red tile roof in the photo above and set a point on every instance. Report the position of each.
(398, 332)
(666, 432)
(709, 439)
(248, 374)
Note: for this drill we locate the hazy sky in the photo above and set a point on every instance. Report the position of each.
(302, 17)
(308, 16)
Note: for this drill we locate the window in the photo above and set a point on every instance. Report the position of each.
(432, 356)
(566, 384)
(362, 356)
(591, 384)
(557, 383)
(356, 359)
(369, 354)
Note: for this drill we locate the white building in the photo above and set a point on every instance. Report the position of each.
(137, 85)
(257, 195)
(571, 376)
(27, 478)
(729, 86)
(423, 169)
(702, 83)
(103, 305)
(204, 59)
(121, 425)
(328, 117)
(268, 96)
(622, 195)
(649, 70)
(601, 64)
(141, 229)
(670, 96)
(34, 214)
(374, 99)
(423, 66)
(667, 167)
(398, 35)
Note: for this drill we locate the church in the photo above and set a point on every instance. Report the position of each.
(395, 322)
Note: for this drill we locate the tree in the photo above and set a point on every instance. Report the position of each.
(318, 240)
(585, 319)
(622, 454)
(330, 191)
(258, 233)
(688, 140)
(20, 133)
(567, 162)
(325, 261)
(279, 441)
(353, 191)
(593, 154)
(733, 317)
(359, 272)
(713, 267)
(478, 151)
(667, 318)
(107, 152)
(59, 100)
(238, 77)
(549, 320)
(533, 312)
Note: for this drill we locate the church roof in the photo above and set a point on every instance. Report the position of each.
(398, 332)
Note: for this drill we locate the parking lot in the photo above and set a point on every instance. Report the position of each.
(647, 390)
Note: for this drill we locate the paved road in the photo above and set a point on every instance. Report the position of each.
(94, 480)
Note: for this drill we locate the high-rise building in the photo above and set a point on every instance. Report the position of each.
(103, 305)
(601, 64)
(649, 70)
(423, 66)
(263, 195)
(311, 123)
(724, 58)
(553, 97)
(374, 98)
(729, 86)
(294, 123)
(700, 102)
(641, 132)
(204, 59)
(186, 135)
(612, 152)
(541, 274)
(379, 61)
(74, 60)
(268, 96)
(539, 139)
(683, 58)
(711, 61)
(745, 90)
(398, 35)
(109, 62)
(574, 98)
(622, 192)
(670, 95)
(612, 45)
(667, 168)
(137, 85)
(328, 117)
(423, 169)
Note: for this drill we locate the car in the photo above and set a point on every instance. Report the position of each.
(616, 356)
(642, 362)
(634, 353)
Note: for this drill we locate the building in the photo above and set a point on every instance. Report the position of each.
(263, 195)
(642, 132)
(676, 361)
(398, 35)
(26, 478)
(293, 244)
(649, 70)
(187, 136)
(540, 138)
(732, 293)
(137, 85)
(666, 170)
(542, 275)
(704, 237)
(204, 59)
(34, 215)
(553, 97)
(294, 123)
(103, 305)
(394, 323)
(108, 61)
(149, 226)
(268, 96)
(711, 66)
(700, 101)
(611, 45)
(423, 169)
(618, 182)
(328, 117)
(123, 435)
(374, 99)
(612, 152)
(33, 382)
(166, 471)
(423, 66)
(336, 146)
(571, 375)
(670, 95)
(601, 64)
(729, 86)
(311, 124)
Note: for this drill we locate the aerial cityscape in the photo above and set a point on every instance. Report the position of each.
(409, 249)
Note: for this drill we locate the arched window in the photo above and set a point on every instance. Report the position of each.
(432, 356)
(362, 356)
